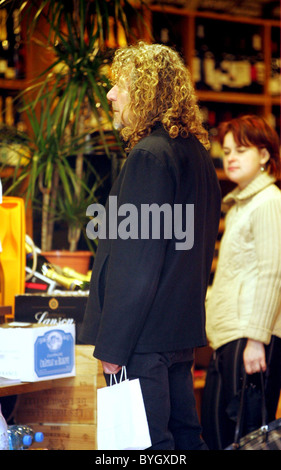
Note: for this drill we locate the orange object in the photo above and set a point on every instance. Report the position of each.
(12, 257)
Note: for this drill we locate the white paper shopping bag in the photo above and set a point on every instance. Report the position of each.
(121, 417)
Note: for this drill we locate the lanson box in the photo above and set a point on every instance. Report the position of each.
(52, 309)
(30, 353)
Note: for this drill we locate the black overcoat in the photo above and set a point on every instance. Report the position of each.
(146, 295)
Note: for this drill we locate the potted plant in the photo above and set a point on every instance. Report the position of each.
(67, 111)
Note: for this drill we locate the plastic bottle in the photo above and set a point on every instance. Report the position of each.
(27, 434)
(35, 436)
(4, 440)
(17, 440)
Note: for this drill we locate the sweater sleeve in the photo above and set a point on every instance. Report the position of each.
(266, 223)
(134, 265)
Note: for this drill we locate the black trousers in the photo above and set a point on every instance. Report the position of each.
(221, 395)
(167, 387)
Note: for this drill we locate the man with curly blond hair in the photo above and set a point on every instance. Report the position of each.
(146, 307)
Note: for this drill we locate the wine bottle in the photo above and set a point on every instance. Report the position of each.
(38, 263)
(275, 72)
(3, 43)
(210, 70)
(69, 272)
(227, 68)
(196, 61)
(243, 78)
(19, 50)
(275, 81)
(9, 114)
(67, 282)
(199, 72)
(10, 73)
(258, 78)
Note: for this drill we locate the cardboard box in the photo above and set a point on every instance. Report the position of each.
(74, 401)
(67, 410)
(52, 309)
(31, 352)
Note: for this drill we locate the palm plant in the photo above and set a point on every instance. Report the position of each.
(67, 108)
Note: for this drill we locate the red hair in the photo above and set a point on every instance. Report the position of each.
(254, 131)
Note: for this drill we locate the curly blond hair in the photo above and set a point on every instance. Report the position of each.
(160, 90)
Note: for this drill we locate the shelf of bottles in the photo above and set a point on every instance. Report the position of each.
(12, 60)
(235, 63)
(235, 71)
(224, 56)
(12, 65)
(230, 61)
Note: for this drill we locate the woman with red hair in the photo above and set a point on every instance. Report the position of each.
(243, 308)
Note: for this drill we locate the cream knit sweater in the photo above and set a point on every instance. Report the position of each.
(245, 298)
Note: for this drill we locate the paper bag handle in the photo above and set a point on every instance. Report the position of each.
(123, 373)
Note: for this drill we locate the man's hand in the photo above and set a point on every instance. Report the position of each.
(109, 368)
(254, 357)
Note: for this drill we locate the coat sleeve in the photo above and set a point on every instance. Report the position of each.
(267, 302)
(134, 265)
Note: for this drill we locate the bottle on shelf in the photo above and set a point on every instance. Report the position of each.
(10, 70)
(235, 64)
(201, 49)
(212, 74)
(64, 277)
(166, 31)
(227, 64)
(12, 51)
(274, 86)
(9, 111)
(19, 50)
(242, 79)
(69, 272)
(257, 64)
(69, 283)
(4, 44)
(4, 440)
(164, 36)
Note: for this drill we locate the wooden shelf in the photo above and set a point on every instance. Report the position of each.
(264, 101)
(275, 100)
(213, 16)
(27, 387)
(232, 97)
(12, 84)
